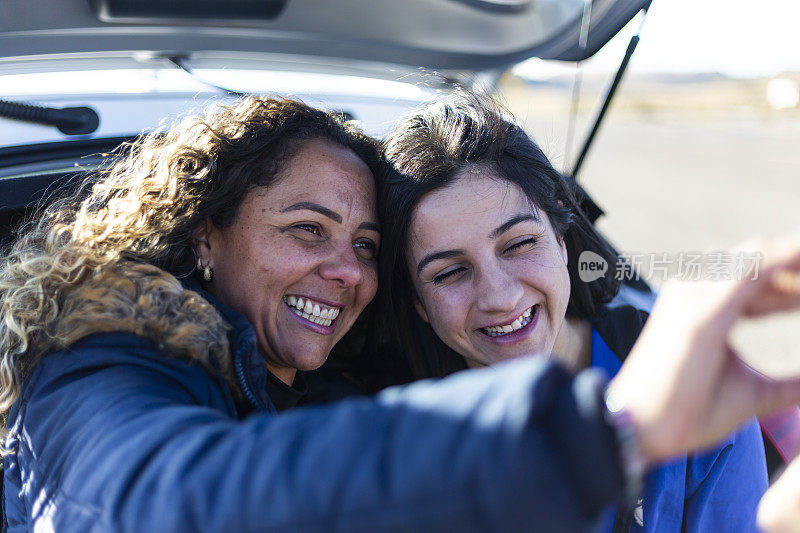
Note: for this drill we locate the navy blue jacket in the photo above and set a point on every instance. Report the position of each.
(111, 434)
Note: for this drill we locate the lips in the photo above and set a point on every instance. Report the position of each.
(518, 323)
(314, 311)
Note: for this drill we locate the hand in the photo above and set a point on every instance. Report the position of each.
(683, 384)
(779, 510)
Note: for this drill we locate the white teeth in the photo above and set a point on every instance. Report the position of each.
(312, 318)
(519, 323)
(313, 312)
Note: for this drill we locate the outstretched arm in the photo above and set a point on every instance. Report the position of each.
(113, 435)
(683, 384)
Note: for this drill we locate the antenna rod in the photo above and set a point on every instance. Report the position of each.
(607, 101)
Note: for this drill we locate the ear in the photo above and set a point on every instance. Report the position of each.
(421, 310)
(201, 237)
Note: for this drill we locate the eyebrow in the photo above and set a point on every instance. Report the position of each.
(372, 226)
(446, 254)
(333, 215)
(511, 222)
(311, 206)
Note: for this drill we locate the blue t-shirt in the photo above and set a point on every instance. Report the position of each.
(717, 490)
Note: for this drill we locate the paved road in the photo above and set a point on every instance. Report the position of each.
(680, 184)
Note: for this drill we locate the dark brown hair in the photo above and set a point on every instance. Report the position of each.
(425, 152)
(140, 213)
(244, 147)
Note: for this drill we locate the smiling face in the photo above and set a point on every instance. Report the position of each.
(299, 260)
(489, 272)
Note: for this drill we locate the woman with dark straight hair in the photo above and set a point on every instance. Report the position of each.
(427, 152)
(482, 245)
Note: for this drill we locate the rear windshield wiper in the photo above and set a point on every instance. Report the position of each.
(68, 120)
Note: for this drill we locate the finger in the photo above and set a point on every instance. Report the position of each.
(786, 281)
(781, 293)
(777, 273)
(772, 303)
(743, 393)
(774, 395)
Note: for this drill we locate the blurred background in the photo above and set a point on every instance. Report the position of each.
(698, 149)
(701, 146)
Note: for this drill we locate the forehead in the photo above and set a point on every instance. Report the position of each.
(477, 197)
(326, 173)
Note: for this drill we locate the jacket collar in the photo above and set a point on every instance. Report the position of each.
(251, 369)
(619, 326)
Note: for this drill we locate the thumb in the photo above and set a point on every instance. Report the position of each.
(776, 395)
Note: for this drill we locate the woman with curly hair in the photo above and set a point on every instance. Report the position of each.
(155, 331)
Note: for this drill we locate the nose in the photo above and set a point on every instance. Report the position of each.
(342, 266)
(497, 290)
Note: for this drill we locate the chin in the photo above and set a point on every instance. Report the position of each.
(516, 354)
(306, 363)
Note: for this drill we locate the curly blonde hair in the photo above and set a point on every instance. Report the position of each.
(135, 220)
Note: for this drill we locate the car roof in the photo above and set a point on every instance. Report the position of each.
(446, 35)
(45, 44)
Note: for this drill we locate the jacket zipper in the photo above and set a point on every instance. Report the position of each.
(244, 384)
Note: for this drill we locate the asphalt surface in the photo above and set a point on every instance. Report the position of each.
(687, 185)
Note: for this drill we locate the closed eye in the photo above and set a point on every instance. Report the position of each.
(445, 275)
(523, 244)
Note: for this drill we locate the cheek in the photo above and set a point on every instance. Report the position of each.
(446, 311)
(259, 279)
(560, 288)
(237, 258)
(549, 275)
(369, 284)
(566, 290)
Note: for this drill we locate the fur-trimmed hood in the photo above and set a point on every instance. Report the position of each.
(144, 300)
